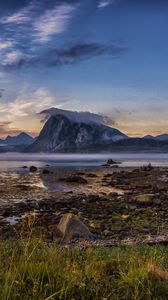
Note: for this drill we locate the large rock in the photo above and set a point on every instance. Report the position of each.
(111, 162)
(71, 228)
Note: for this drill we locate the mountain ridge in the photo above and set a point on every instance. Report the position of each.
(61, 133)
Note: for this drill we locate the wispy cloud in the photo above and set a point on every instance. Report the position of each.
(21, 16)
(5, 130)
(53, 21)
(23, 111)
(104, 3)
(5, 44)
(12, 58)
(38, 23)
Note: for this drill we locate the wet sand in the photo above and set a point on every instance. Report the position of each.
(117, 204)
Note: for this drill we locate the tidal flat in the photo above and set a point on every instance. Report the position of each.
(120, 205)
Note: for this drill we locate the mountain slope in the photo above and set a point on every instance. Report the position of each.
(61, 133)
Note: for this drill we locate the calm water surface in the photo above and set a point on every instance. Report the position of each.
(15, 161)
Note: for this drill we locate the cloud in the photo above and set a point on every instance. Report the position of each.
(19, 112)
(21, 16)
(35, 24)
(5, 44)
(53, 21)
(29, 27)
(59, 57)
(12, 58)
(5, 130)
(23, 111)
(82, 51)
(104, 3)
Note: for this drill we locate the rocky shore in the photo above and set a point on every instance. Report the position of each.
(118, 205)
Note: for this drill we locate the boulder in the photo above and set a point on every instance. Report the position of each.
(111, 162)
(33, 169)
(71, 228)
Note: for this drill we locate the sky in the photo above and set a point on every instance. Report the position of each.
(104, 56)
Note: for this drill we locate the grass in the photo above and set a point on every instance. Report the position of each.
(30, 269)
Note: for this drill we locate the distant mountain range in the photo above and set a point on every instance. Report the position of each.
(161, 137)
(16, 143)
(69, 131)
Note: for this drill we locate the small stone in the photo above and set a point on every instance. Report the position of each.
(45, 172)
(146, 198)
(33, 169)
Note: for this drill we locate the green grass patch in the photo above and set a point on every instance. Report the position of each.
(31, 269)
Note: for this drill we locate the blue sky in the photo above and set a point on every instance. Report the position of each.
(103, 56)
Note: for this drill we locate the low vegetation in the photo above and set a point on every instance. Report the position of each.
(32, 269)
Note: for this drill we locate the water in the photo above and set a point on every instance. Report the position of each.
(15, 161)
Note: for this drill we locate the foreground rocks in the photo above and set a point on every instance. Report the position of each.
(115, 204)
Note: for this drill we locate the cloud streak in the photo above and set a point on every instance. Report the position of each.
(53, 21)
(59, 57)
(38, 24)
(21, 16)
(105, 3)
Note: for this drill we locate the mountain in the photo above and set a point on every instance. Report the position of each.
(66, 131)
(140, 145)
(149, 137)
(21, 139)
(162, 137)
(16, 143)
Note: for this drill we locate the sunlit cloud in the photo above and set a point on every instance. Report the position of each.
(22, 113)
